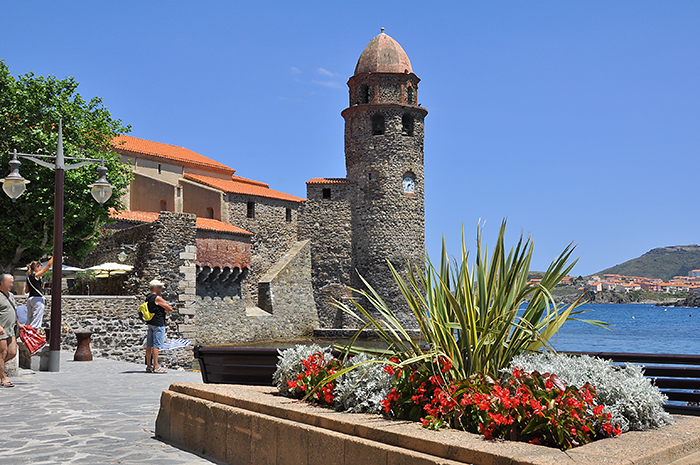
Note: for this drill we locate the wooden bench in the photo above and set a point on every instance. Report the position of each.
(237, 365)
(676, 375)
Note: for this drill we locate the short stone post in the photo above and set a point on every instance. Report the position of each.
(12, 366)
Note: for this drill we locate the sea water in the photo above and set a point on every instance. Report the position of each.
(641, 328)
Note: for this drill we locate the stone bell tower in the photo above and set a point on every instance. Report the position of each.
(384, 160)
(376, 213)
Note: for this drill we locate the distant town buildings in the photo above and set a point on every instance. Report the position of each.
(620, 283)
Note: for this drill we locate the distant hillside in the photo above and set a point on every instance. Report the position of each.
(664, 263)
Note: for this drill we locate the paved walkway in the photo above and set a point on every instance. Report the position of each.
(99, 412)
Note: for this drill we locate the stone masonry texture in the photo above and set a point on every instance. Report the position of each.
(290, 311)
(272, 237)
(117, 332)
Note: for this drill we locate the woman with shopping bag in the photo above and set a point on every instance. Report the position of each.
(35, 288)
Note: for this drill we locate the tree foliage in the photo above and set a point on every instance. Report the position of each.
(30, 107)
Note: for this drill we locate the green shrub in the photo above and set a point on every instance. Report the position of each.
(632, 400)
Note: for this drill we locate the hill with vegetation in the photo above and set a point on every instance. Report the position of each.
(664, 263)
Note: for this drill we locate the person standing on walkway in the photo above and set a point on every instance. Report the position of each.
(8, 324)
(155, 338)
(35, 288)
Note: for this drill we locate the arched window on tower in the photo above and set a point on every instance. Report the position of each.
(377, 124)
(407, 125)
(409, 95)
(363, 94)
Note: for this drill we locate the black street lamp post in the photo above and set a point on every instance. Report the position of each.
(14, 185)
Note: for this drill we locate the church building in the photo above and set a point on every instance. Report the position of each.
(352, 226)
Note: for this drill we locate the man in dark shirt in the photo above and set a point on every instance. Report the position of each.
(155, 337)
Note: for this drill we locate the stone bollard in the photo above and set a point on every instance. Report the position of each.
(37, 362)
(12, 367)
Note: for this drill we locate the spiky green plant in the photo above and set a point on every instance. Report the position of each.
(473, 315)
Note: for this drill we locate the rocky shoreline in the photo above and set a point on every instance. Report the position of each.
(621, 298)
(692, 300)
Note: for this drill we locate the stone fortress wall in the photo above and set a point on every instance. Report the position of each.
(166, 249)
(327, 222)
(288, 306)
(274, 226)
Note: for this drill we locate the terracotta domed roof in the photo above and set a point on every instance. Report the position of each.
(383, 55)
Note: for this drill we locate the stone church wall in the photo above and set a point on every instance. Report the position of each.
(328, 223)
(273, 235)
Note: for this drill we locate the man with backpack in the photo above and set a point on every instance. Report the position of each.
(155, 337)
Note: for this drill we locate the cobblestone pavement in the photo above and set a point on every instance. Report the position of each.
(99, 412)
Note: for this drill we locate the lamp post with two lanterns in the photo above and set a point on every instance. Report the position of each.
(14, 185)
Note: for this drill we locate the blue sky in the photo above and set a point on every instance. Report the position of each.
(576, 120)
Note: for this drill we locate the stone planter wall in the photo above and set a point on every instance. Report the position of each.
(253, 425)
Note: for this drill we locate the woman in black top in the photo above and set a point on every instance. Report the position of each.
(34, 287)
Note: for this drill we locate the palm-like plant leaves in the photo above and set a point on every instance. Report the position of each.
(474, 317)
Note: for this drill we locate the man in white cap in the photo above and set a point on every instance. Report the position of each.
(155, 338)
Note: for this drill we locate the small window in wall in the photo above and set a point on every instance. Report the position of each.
(363, 94)
(407, 124)
(210, 212)
(327, 193)
(160, 168)
(179, 191)
(288, 215)
(377, 125)
(409, 95)
(251, 210)
(164, 205)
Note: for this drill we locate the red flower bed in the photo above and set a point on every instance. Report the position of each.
(316, 369)
(531, 407)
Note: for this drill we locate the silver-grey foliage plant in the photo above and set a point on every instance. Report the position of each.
(633, 401)
(290, 364)
(361, 390)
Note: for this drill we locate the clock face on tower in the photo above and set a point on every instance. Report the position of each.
(408, 184)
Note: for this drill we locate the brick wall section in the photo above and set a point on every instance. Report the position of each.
(223, 250)
(291, 310)
(331, 247)
(272, 237)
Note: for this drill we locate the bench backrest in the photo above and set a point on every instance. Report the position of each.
(237, 365)
(676, 375)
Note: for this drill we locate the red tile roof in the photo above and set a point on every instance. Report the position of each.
(133, 216)
(248, 181)
(206, 224)
(329, 181)
(238, 185)
(167, 152)
(216, 225)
